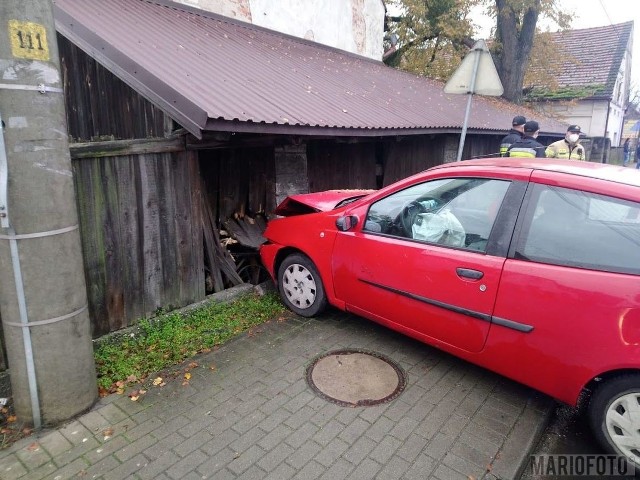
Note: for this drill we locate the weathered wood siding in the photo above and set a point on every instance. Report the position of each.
(239, 180)
(333, 165)
(412, 155)
(101, 105)
(141, 226)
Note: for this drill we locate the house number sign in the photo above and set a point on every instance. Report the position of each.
(28, 40)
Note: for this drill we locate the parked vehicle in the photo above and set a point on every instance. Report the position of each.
(528, 268)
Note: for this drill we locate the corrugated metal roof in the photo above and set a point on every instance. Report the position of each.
(591, 57)
(210, 72)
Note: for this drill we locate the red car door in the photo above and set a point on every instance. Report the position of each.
(440, 290)
(572, 277)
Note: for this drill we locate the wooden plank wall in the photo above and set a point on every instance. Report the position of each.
(100, 105)
(239, 180)
(411, 155)
(333, 165)
(140, 220)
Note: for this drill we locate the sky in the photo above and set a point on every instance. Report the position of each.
(597, 13)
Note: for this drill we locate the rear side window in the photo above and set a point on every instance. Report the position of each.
(579, 229)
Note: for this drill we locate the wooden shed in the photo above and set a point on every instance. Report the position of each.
(187, 126)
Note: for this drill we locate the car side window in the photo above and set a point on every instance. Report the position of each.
(580, 229)
(456, 212)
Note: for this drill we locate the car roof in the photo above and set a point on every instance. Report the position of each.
(613, 173)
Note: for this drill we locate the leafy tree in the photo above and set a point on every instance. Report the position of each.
(435, 36)
(516, 27)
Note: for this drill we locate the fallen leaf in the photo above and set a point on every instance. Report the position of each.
(11, 418)
(107, 432)
(134, 398)
(193, 364)
(132, 379)
(120, 390)
(157, 381)
(103, 392)
(187, 376)
(212, 367)
(34, 447)
(27, 431)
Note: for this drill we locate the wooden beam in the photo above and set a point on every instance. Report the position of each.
(115, 148)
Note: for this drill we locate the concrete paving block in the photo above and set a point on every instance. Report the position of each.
(412, 448)
(252, 437)
(133, 449)
(192, 443)
(353, 430)
(310, 471)
(154, 467)
(282, 472)
(301, 456)
(331, 452)
(244, 460)
(127, 468)
(105, 449)
(69, 456)
(33, 456)
(46, 471)
(100, 468)
(271, 460)
(420, 469)
(395, 468)
(187, 464)
(366, 470)
(11, 468)
(385, 449)
(464, 466)
(340, 470)
(359, 450)
(301, 435)
(512, 458)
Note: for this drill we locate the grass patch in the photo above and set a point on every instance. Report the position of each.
(170, 338)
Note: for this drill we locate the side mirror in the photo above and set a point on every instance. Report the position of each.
(346, 223)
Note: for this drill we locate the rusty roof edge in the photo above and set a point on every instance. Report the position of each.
(184, 111)
(237, 126)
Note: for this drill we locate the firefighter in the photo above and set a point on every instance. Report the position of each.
(516, 133)
(528, 147)
(569, 147)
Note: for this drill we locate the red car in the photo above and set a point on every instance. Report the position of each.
(528, 268)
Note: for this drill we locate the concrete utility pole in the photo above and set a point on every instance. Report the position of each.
(43, 298)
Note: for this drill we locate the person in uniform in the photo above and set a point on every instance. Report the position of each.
(528, 146)
(516, 133)
(569, 147)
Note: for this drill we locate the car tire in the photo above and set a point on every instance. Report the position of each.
(614, 423)
(300, 286)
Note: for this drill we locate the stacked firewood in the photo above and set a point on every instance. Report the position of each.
(231, 255)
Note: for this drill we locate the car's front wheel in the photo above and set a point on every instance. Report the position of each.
(300, 286)
(614, 413)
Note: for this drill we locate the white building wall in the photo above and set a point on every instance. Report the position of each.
(356, 26)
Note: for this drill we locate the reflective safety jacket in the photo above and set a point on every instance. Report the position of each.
(512, 137)
(563, 149)
(528, 147)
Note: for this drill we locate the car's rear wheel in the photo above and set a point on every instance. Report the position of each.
(300, 286)
(614, 413)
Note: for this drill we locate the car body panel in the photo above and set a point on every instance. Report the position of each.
(426, 295)
(319, 201)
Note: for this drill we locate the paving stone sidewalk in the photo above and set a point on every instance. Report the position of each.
(254, 417)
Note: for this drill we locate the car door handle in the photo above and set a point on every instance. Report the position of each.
(469, 273)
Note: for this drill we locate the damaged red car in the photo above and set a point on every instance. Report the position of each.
(528, 268)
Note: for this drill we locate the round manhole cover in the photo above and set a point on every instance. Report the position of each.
(356, 378)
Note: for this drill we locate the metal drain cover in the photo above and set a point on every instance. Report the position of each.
(355, 378)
